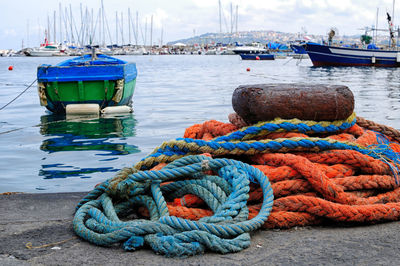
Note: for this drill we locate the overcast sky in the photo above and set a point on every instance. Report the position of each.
(184, 18)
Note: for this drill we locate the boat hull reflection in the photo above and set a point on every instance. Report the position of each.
(81, 139)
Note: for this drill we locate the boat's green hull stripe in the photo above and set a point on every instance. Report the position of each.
(59, 94)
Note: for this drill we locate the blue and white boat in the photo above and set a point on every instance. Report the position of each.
(298, 48)
(325, 55)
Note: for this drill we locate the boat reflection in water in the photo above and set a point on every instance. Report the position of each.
(76, 144)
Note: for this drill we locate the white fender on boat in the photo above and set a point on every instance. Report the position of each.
(398, 57)
(82, 109)
(117, 109)
(373, 60)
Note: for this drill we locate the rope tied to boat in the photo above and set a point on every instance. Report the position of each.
(20, 94)
(98, 216)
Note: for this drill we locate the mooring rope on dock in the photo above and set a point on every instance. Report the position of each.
(319, 171)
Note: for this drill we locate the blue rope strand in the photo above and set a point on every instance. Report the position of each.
(285, 126)
(275, 145)
(97, 218)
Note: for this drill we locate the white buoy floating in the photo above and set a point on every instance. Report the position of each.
(93, 109)
(117, 110)
(82, 109)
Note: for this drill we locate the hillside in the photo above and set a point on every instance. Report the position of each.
(264, 37)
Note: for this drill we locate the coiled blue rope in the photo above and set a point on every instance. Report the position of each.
(98, 218)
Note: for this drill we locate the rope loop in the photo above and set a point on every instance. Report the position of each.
(101, 218)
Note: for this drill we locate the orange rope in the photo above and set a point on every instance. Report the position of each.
(313, 187)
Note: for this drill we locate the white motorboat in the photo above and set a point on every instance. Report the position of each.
(254, 48)
(48, 50)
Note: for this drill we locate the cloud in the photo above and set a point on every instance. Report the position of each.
(317, 15)
(159, 17)
(7, 33)
(179, 18)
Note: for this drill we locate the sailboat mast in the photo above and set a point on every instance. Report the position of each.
(55, 37)
(48, 29)
(151, 31)
(70, 22)
(137, 28)
(162, 32)
(91, 27)
(129, 25)
(86, 27)
(231, 19)
(27, 33)
(81, 30)
(145, 33)
(60, 22)
(122, 28)
(237, 7)
(116, 27)
(102, 17)
(100, 26)
(67, 36)
(376, 26)
(219, 10)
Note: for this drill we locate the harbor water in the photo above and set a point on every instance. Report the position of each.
(41, 152)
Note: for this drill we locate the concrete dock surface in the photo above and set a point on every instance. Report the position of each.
(45, 220)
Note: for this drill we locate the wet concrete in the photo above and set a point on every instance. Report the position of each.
(45, 220)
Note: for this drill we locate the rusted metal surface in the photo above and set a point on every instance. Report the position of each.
(316, 102)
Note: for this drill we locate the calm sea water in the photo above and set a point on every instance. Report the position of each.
(41, 152)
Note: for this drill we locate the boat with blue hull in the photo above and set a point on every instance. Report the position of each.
(325, 55)
(92, 79)
(368, 55)
(298, 48)
(257, 56)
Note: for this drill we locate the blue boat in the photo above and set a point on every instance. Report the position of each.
(325, 55)
(298, 48)
(257, 56)
(89, 79)
(299, 51)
